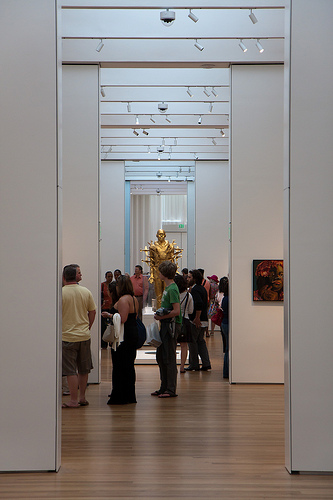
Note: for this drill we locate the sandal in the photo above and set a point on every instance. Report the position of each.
(83, 403)
(167, 395)
(156, 393)
(65, 405)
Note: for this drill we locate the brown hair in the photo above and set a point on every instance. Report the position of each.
(124, 286)
(168, 269)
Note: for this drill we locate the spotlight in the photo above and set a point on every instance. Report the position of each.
(253, 17)
(196, 157)
(167, 119)
(175, 142)
(110, 149)
(145, 132)
(242, 46)
(170, 149)
(198, 45)
(102, 92)
(213, 141)
(163, 141)
(148, 151)
(129, 108)
(100, 46)
(215, 94)
(189, 92)
(211, 107)
(259, 46)
(222, 132)
(194, 18)
(162, 106)
(205, 91)
(137, 120)
(199, 120)
(169, 180)
(135, 132)
(159, 156)
(152, 119)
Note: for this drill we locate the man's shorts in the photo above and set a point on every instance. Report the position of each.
(76, 358)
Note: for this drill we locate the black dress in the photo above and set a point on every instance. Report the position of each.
(123, 371)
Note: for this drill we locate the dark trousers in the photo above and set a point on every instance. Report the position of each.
(198, 348)
(225, 329)
(166, 359)
(104, 324)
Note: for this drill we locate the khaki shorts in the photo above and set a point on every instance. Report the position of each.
(76, 358)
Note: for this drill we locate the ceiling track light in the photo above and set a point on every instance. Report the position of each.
(148, 150)
(129, 108)
(167, 119)
(192, 16)
(110, 149)
(145, 132)
(205, 91)
(167, 17)
(211, 107)
(259, 46)
(196, 157)
(200, 120)
(135, 132)
(137, 120)
(102, 92)
(253, 17)
(189, 92)
(198, 45)
(152, 119)
(242, 46)
(175, 142)
(222, 132)
(213, 141)
(215, 94)
(163, 142)
(159, 156)
(100, 46)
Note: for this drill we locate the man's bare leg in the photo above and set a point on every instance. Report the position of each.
(83, 380)
(73, 389)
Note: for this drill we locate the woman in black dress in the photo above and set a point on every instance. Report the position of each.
(123, 371)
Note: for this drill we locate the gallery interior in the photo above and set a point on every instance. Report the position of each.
(211, 120)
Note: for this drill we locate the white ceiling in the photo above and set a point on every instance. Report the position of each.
(144, 63)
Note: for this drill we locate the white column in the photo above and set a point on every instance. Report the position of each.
(212, 217)
(30, 281)
(309, 236)
(81, 184)
(112, 216)
(256, 337)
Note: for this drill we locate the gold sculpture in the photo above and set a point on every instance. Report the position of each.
(158, 252)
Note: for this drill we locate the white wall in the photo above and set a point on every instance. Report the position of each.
(112, 216)
(212, 217)
(309, 237)
(256, 219)
(30, 279)
(81, 184)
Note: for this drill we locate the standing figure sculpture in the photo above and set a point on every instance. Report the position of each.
(158, 252)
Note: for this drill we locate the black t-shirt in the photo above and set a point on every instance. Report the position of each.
(199, 295)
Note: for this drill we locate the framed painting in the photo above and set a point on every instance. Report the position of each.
(268, 280)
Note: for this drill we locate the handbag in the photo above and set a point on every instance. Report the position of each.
(218, 317)
(108, 335)
(142, 333)
(186, 329)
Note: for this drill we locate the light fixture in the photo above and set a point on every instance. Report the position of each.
(198, 45)
(259, 46)
(205, 91)
(162, 106)
(169, 158)
(129, 108)
(100, 46)
(213, 141)
(200, 120)
(152, 119)
(222, 132)
(110, 149)
(242, 46)
(102, 92)
(135, 132)
(175, 142)
(159, 156)
(189, 92)
(137, 120)
(167, 119)
(215, 94)
(170, 149)
(145, 132)
(211, 107)
(196, 157)
(148, 150)
(169, 180)
(163, 141)
(167, 17)
(253, 17)
(192, 16)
